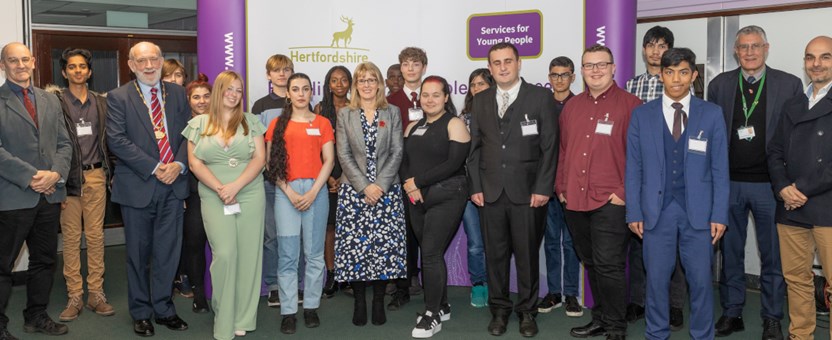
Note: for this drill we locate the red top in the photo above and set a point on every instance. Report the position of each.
(591, 165)
(303, 147)
(404, 102)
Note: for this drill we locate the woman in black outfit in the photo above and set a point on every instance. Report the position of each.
(434, 178)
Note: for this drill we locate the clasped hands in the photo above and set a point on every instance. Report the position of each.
(43, 182)
(167, 173)
(228, 193)
(372, 193)
(792, 198)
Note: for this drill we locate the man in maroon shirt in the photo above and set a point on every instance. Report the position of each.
(590, 184)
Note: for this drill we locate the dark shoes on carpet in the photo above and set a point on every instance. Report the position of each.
(549, 303)
(289, 324)
(772, 330)
(728, 325)
(400, 298)
(173, 323)
(498, 324)
(44, 324)
(310, 318)
(634, 313)
(589, 330)
(677, 319)
(528, 326)
(143, 328)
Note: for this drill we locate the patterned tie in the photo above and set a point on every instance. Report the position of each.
(165, 153)
(679, 119)
(413, 98)
(30, 106)
(751, 80)
(504, 105)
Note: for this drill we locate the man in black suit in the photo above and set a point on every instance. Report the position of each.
(751, 98)
(512, 171)
(144, 131)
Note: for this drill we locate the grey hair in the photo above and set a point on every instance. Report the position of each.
(752, 29)
(132, 53)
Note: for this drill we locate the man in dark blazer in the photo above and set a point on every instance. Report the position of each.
(751, 98)
(677, 192)
(801, 174)
(144, 132)
(512, 172)
(35, 152)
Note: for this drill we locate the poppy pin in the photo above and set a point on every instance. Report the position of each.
(381, 123)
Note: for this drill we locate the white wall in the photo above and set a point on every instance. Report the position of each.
(691, 33)
(11, 24)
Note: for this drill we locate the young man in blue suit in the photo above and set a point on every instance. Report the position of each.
(677, 192)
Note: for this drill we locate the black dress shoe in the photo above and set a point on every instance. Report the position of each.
(677, 319)
(616, 337)
(310, 318)
(173, 323)
(727, 325)
(288, 325)
(143, 328)
(400, 298)
(634, 312)
(772, 330)
(44, 324)
(591, 329)
(528, 326)
(498, 323)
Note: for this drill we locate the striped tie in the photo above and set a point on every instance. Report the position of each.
(165, 153)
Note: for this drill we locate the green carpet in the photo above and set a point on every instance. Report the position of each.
(336, 315)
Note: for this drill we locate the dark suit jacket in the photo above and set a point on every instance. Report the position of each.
(780, 86)
(403, 102)
(706, 176)
(800, 153)
(130, 139)
(520, 165)
(25, 149)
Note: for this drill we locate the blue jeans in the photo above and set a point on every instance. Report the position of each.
(557, 235)
(476, 250)
(270, 241)
(291, 224)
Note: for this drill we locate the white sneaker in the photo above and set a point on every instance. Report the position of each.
(427, 326)
(239, 333)
(444, 313)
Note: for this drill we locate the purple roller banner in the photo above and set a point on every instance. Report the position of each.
(221, 45)
(612, 23)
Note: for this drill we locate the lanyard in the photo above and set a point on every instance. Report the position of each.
(747, 112)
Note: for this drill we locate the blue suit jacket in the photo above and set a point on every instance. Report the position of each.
(130, 138)
(706, 176)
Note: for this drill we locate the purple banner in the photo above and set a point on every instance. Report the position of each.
(612, 23)
(523, 29)
(221, 45)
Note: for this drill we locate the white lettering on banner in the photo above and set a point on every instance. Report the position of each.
(602, 35)
(229, 50)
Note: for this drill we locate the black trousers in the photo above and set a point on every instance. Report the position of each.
(512, 229)
(600, 238)
(38, 227)
(435, 222)
(193, 242)
(412, 243)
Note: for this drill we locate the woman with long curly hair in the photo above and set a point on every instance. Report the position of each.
(226, 152)
(301, 157)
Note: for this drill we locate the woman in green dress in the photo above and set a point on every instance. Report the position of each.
(227, 154)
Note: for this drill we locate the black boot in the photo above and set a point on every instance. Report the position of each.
(379, 287)
(359, 311)
(200, 303)
(330, 286)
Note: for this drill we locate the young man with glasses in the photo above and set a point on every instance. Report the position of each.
(556, 237)
(594, 195)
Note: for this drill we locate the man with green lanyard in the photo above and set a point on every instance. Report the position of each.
(752, 98)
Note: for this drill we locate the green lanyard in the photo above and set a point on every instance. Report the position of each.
(745, 109)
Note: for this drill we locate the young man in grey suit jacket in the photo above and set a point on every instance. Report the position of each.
(35, 152)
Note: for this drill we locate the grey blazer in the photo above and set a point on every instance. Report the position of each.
(25, 149)
(352, 151)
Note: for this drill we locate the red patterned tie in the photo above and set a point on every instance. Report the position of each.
(165, 153)
(30, 106)
(413, 98)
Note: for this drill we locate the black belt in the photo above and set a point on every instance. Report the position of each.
(92, 166)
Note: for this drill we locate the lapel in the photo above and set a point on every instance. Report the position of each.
(141, 109)
(40, 98)
(822, 108)
(731, 97)
(383, 131)
(14, 105)
(657, 124)
(515, 112)
(771, 98)
(174, 130)
(694, 122)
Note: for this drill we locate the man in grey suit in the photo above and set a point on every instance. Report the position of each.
(145, 119)
(752, 98)
(35, 152)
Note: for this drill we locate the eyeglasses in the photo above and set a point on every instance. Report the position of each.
(14, 61)
(152, 60)
(751, 47)
(601, 66)
(560, 76)
(367, 81)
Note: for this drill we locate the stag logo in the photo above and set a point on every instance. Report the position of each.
(345, 35)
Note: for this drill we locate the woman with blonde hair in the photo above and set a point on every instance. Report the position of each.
(370, 225)
(227, 154)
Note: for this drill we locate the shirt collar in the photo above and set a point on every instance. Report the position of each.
(666, 102)
(146, 88)
(17, 88)
(274, 96)
(408, 91)
(513, 91)
(603, 95)
(822, 93)
(757, 76)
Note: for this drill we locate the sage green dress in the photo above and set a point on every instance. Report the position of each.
(236, 240)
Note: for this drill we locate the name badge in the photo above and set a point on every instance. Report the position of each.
(414, 114)
(604, 127)
(746, 132)
(83, 128)
(529, 127)
(313, 132)
(420, 131)
(232, 209)
(698, 144)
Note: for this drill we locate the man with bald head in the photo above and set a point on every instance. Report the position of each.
(35, 153)
(145, 120)
(800, 164)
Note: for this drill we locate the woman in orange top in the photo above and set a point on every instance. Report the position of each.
(301, 150)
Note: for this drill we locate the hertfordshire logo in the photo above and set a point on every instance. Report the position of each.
(335, 52)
